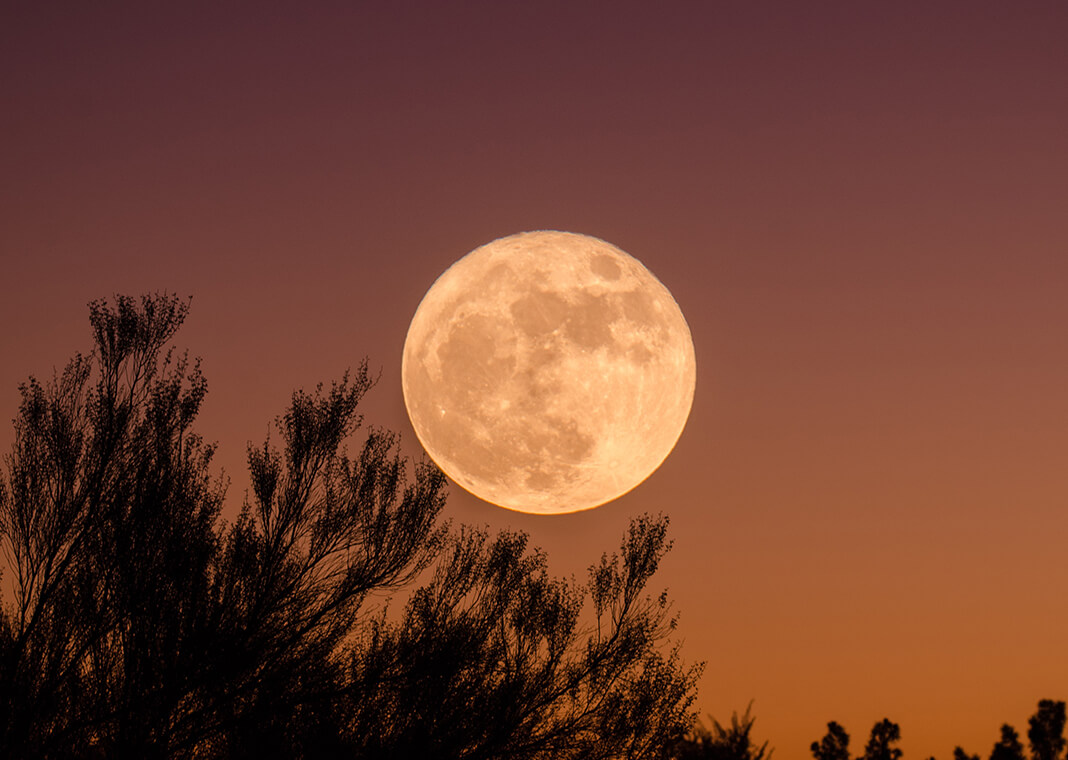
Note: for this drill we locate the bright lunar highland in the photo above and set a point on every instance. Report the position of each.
(548, 372)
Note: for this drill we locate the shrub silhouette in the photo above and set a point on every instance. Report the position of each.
(1046, 734)
(1045, 730)
(724, 743)
(833, 746)
(1008, 747)
(880, 746)
(835, 743)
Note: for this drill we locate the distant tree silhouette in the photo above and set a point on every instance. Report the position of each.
(140, 626)
(723, 743)
(1046, 734)
(880, 744)
(833, 746)
(1008, 747)
(835, 743)
(1046, 730)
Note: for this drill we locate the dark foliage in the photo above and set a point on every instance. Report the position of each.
(1008, 746)
(880, 746)
(835, 743)
(1046, 734)
(724, 743)
(833, 746)
(1045, 731)
(141, 626)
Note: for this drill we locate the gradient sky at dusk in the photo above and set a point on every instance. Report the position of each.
(861, 208)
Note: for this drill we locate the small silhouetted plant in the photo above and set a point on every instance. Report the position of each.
(724, 743)
(1008, 747)
(1045, 730)
(140, 626)
(833, 746)
(1046, 734)
(880, 746)
(835, 743)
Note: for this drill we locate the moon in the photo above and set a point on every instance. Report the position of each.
(548, 372)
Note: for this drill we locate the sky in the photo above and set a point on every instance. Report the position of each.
(859, 207)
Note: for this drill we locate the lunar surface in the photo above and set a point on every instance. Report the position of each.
(548, 372)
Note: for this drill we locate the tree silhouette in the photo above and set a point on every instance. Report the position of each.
(1046, 733)
(1008, 747)
(835, 743)
(1045, 730)
(142, 626)
(880, 744)
(833, 746)
(108, 527)
(721, 743)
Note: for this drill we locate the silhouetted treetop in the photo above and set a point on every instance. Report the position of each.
(1008, 747)
(724, 743)
(880, 746)
(833, 746)
(1045, 730)
(1046, 733)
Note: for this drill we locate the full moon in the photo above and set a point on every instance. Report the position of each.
(548, 372)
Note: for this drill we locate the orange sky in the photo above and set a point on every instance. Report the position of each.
(860, 208)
